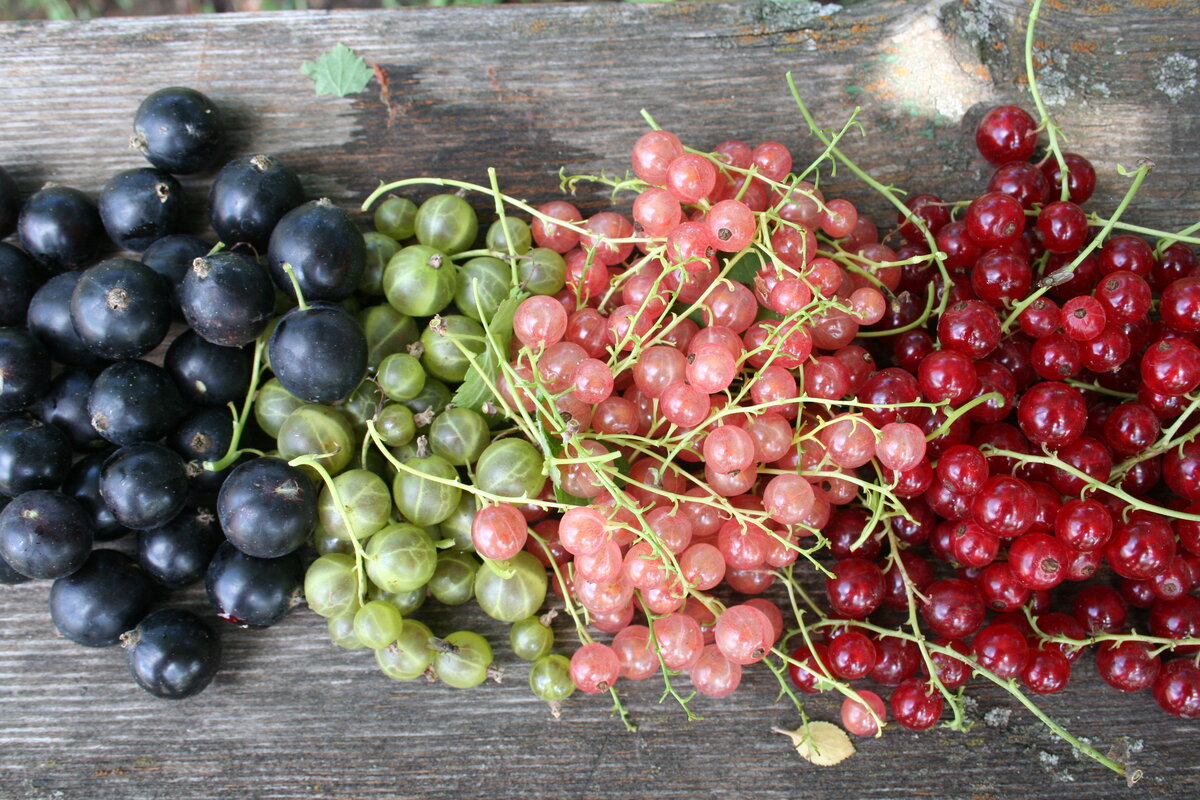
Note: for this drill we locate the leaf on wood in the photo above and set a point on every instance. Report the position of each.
(474, 392)
(821, 743)
(340, 71)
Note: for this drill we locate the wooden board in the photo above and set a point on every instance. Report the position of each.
(527, 90)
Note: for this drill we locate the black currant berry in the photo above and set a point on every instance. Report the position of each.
(208, 374)
(60, 228)
(249, 196)
(267, 507)
(24, 369)
(120, 309)
(20, 277)
(177, 554)
(140, 206)
(50, 321)
(144, 485)
(172, 653)
(325, 249)
(101, 600)
(65, 406)
(204, 435)
(179, 130)
(33, 455)
(44, 534)
(319, 353)
(9, 576)
(227, 298)
(171, 257)
(134, 401)
(83, 485)
(255, 592)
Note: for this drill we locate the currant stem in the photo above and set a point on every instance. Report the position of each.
(1044, 120)
(241, 419)
(1138, 176)
(1093, 483)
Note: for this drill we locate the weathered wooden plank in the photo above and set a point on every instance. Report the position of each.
(529, 89)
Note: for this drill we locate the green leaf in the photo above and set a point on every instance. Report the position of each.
(341, 71)
(474, 391)
(746, 268)
(563, 496)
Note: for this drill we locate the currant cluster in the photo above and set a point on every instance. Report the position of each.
(1066, 399)
(407, 458)
(990, 407)
(99, 440)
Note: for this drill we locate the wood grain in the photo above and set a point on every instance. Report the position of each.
(527, 90)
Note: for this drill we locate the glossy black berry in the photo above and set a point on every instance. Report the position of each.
(20, 277)
(325, 249)
(24, 369)
(203, 435)
(65, 406)
(10, 204)
(249, 196)
(50, 321)
(140, 206)
(60, 227)
(319, 353)
(134, 401)
(144, 485)
(9, 576)
(177, 554)
(171, 257)
(208, 374)
(267, 508)
(83, 485)
(179, 130)
(44, 534)
(227, 298)
(255, 592)
(33, 455)
(101, 600)
(172, 653)
(120, 309)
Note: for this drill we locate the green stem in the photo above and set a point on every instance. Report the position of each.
(240, 419)
(1093, 483)
(291, 273)
(1047, 282)
(1044, 120)
(965, 408)
(314, 461)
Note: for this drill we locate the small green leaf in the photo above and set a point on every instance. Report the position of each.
(563, 496)
(474, 391)
(341, 71)
(746, 268)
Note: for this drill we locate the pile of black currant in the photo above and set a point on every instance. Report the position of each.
(103, 435)
(314, 402)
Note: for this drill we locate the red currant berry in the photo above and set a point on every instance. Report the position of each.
(1047, 671)
(1006, 133)
(916, 704)
(953, 608)
(1063, 227)
(1177, 689)
(1022, 181)
(995, 220)
(1052, 413)
(1001, 649)
(1081, 177)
